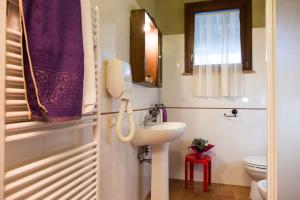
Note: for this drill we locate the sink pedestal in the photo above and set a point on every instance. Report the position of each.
(159, 136)
(160, 172)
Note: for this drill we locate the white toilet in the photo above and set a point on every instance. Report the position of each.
(262, 187)
(256, 167)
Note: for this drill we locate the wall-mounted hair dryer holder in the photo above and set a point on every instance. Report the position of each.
(118, 84)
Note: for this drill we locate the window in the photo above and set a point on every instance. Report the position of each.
(206, 25)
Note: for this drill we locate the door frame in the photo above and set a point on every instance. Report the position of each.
(271, 103)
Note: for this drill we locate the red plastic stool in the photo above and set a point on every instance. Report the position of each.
(196, 159)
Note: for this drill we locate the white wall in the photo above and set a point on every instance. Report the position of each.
(234, 138)
(122, 177)
(288, 98)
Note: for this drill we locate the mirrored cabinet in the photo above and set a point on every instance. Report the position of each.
(145, 49)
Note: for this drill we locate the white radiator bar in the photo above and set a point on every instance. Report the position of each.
(88, 169)
(13, 138)
(90, 195)
(14, 67)
(13, 44)
(15, 102)
(84, 192)
(42, 173)
(80, 190)
(74, 171)
(15, 91)
(13, 56)
(16, 114)
(70, 185)
(13, 32)
(24, 126)
(47, 161)
(15, 79)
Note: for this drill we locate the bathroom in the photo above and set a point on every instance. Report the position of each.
(235, 138)
(264, 125)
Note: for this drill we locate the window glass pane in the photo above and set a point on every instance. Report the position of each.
(217, 38)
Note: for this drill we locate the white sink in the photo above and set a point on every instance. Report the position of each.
(158, 134)
(159, 137)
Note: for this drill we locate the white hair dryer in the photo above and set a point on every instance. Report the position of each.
(119, 84)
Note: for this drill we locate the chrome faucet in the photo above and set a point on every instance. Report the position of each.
(151, 118)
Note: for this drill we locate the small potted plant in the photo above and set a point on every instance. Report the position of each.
(200, 146)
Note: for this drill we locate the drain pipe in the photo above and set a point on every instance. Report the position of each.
(143, 154)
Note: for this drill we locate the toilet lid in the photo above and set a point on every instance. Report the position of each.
(256, 161)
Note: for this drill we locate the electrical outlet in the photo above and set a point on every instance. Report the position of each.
(112, 120)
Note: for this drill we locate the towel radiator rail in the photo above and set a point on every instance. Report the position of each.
(69, 174)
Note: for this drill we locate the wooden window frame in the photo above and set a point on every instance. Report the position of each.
(245, 7)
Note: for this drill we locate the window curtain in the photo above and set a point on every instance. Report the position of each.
(217, 70)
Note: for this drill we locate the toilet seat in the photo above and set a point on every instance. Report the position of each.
(256, 168)
(256, 163)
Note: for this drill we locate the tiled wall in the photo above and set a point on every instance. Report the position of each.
(122, 177)
(234, 138)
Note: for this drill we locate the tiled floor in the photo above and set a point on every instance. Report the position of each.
(215, 192)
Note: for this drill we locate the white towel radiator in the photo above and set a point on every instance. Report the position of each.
(71, 173)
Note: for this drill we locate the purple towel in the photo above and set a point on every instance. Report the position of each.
(52, 50)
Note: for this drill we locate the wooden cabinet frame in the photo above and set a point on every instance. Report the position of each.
(145, 49)
(245, 7)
